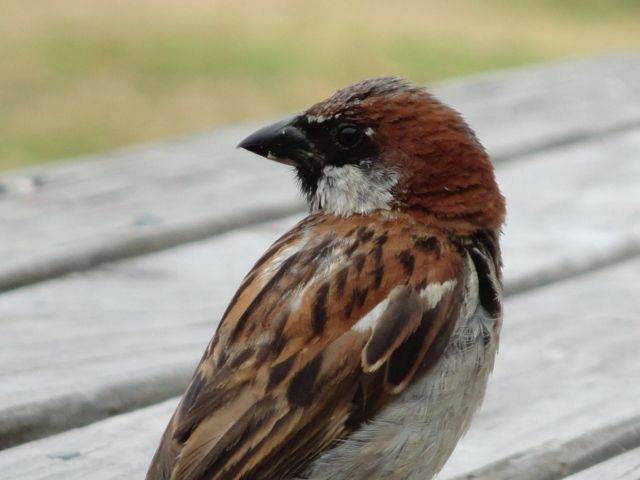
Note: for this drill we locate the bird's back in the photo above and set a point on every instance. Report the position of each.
(324, 294)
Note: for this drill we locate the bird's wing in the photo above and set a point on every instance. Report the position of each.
(334, 320)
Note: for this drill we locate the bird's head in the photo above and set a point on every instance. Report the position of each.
(386, 144)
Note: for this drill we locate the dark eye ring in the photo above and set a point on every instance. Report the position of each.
(348, 135)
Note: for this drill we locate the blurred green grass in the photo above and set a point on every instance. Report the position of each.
(80, 76)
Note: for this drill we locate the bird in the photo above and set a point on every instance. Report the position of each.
(360, 344)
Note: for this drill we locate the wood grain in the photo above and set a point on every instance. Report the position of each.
(555, 460)
(564, 351)
(128, 334)
(72, 216)
(621, 467)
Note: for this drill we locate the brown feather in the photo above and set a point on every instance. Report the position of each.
(286, 376)
(341, 314)
(398, 322)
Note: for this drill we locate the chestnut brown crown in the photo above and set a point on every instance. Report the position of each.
(387, 144)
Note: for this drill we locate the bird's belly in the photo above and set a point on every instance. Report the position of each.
(412, 437)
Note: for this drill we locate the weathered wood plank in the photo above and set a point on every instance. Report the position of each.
(555, 460)
(564, 351)
(622, 467)
(534, 108)
(116, 448)
(571, 209)
(68, 217)
(117, 338)
(128, 334)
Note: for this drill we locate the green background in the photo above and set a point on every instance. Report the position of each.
(80, 76)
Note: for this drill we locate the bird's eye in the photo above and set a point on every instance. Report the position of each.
(348, 136)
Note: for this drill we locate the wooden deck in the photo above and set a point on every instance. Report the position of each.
(114, 270)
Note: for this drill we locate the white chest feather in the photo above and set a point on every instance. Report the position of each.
(353, 189)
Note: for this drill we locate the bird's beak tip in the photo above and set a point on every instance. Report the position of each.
(242, 144)
(282, 142)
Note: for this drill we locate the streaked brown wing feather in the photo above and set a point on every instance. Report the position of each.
(286, 376)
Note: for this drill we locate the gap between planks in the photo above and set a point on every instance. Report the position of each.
(84, 412)
(175, 236)
(615, 256)
(562, 266)
(141, 244)
(62, 457)
(468, 94)
(568, 138)
(554, 462)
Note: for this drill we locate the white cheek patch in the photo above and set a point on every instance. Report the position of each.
(349, 190)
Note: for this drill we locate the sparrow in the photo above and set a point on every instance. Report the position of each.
(360, 344)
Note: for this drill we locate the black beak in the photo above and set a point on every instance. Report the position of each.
(283, 142)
